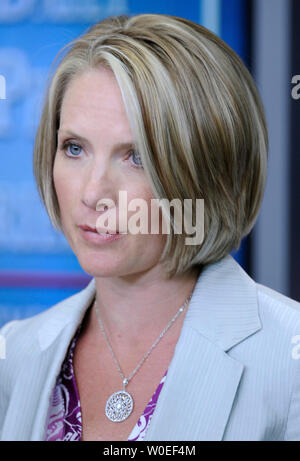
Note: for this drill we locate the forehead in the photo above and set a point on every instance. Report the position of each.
(94, 97)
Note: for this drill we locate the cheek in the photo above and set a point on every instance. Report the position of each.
(63, 186)
(57, 178)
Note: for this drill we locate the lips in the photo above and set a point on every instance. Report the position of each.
(85, 227)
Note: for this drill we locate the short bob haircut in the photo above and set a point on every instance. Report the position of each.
(195, 114)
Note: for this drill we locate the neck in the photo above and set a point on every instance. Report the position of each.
(135, 304)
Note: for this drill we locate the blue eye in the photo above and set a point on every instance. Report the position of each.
(70, 153)
(135, 154)
(74, 149)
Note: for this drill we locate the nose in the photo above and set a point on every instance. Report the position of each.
(97, 184)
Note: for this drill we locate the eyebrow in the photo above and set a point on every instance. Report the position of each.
(118, 146)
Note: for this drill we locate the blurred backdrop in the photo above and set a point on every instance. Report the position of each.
(37, 266)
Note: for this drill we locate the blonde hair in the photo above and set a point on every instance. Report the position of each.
(196, 115)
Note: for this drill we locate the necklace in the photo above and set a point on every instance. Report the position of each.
(120, 404)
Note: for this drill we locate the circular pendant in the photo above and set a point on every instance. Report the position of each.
(119, 406)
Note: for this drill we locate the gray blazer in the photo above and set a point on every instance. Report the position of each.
(234, 375)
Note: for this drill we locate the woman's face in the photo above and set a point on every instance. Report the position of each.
(91, 164)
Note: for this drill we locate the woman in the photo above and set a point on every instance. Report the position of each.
(169, 340)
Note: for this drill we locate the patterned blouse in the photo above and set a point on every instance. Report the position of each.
(64, 414)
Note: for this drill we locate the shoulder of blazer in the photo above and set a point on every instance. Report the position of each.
(280, 317)
(279, 314)
(228, 306)
(25, 338)
(271, 296)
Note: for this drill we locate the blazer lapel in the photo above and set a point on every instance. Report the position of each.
(198, 392)
(26, 416)
(202, 379)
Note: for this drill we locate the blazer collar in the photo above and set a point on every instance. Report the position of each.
(224, 306)
(69, 312)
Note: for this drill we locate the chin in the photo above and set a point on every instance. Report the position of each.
(106, 267)
(100, 267)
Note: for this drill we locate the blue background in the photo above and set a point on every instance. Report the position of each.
(31, 34)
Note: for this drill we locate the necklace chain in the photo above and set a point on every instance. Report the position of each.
(126, 380)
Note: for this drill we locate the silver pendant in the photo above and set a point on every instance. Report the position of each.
(119, 406)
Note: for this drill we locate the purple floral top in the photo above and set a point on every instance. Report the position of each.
(64, 414)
